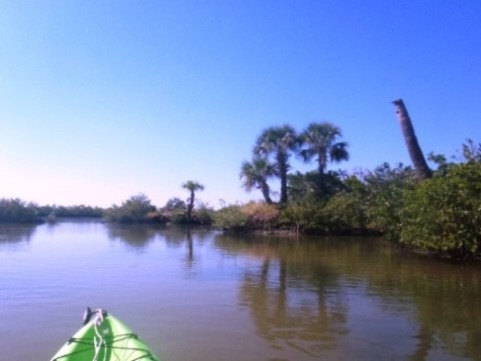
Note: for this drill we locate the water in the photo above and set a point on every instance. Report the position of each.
(196, 295)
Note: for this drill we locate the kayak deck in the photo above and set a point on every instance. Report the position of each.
(104, 338)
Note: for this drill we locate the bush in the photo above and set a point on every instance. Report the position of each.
(383, 201)
(248, 217)
(231, 218)
(443, 214)
(136, 209)
(261, 215)
(202, 215)
(304, 216)
(346, 213)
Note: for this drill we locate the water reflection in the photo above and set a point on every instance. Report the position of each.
(139, 236)
(135, 235)
(307, 296)
(190, 236)
(178, 237)
(292, 295)
(288, 310)
(15, 233)
(444, 298)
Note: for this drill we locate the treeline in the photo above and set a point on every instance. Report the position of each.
(139, 209)
(17, 210)
(440, 214)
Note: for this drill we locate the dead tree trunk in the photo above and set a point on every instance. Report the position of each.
(412, 144)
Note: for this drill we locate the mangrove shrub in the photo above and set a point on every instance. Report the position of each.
(136, 209)
(443, 214)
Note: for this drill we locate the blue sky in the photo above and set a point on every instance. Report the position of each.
(101, 100)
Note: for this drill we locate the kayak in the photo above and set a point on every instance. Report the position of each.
(104, 338)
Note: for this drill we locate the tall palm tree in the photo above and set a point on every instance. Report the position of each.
(278, 142)
(255, 175)
(320, 141)
(192, 187)
(412, 144)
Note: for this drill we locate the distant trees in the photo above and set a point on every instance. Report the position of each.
(82, 211)
(16, 210)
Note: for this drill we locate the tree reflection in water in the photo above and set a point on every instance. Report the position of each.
(14, 233)
(293, 298)
(134, 235)
(313, 297)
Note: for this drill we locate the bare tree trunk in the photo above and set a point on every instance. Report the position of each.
(412, 144)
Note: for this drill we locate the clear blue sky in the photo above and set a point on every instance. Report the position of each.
(101, 100)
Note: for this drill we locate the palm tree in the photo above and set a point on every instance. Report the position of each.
(278, 142)
(412, 144)
(192, 187)
(320, 141)
(255, 175)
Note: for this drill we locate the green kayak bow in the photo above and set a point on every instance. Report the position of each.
(104, 338)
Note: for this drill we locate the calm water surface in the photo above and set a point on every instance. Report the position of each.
(197, 295)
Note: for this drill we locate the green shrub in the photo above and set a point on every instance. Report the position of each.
(231, 218)
(382, 196)
(443, 213)
(261, 215)
(345, 213)
(248, 217)
(136, 209)
(304, 216)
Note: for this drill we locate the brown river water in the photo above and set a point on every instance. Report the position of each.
(199, 295)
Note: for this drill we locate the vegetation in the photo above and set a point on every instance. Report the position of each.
(16, 210)
(320, 142)
(136, 209)
(192, 187)
(278, 142)
(139, 209)
(175, 210)
(437, 211)
(77, 211)
(248, 217)
(443, 214)
(255, 174)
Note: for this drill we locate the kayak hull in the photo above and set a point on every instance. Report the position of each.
(104, 338)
